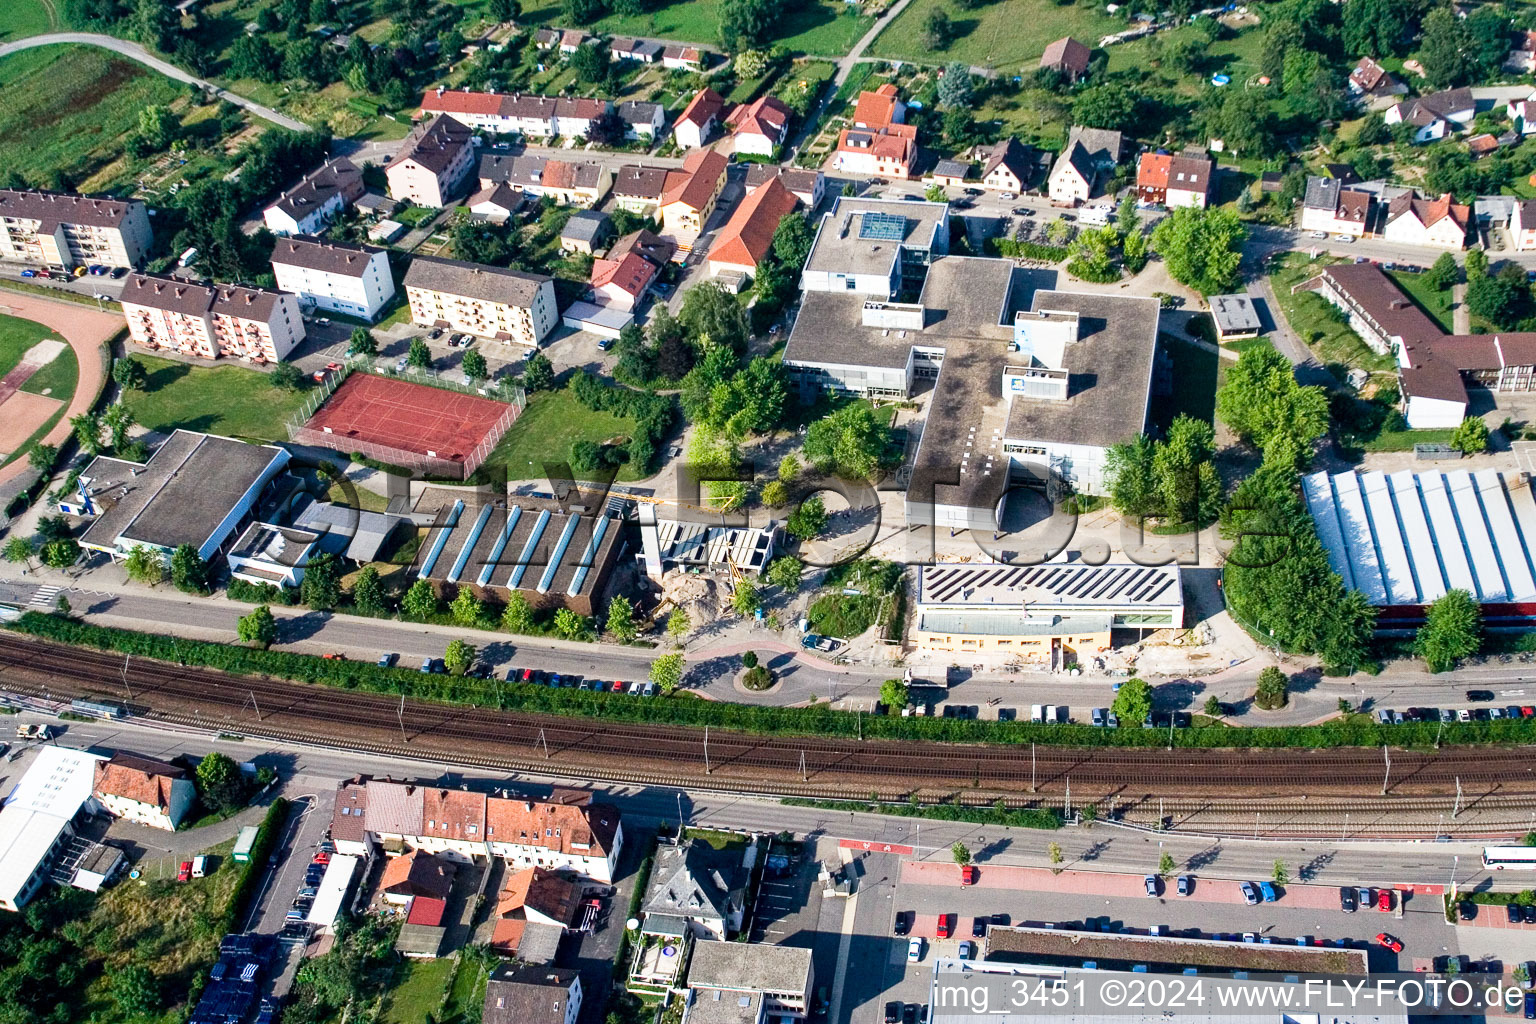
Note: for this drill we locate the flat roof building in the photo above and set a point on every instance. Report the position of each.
(1234, 317)
(38, 819)
(781, 976)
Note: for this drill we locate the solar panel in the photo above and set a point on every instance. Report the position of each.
(886, 227)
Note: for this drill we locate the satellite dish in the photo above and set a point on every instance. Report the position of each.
(632, 924)
(134, 874)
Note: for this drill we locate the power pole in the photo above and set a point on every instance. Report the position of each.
(803, 777)
(544, 743)
(255, 705)
(125, 676)
(1032, 766)
(1456, 810)
(1068, 809)
(400, 717)
(707, 769)
(1386, 756)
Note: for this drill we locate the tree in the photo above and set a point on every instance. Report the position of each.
(506, 10)
(466, 608)
(569, 626)
(714, 317)
(145, 565)
(959, 127)
(750, 64)
(458, 657)
(419, 355)
(19, 549)
(591, 64)
(667, 672)
(745, 23)
(368, 592)
(538, 373)
(621, 619)
(219, 784)
(420, 601)
(258, 627)
(961, 854)
(1202, 247)
(586, 456)
(1263, 403)
(517, 616)
(1452, 630)
(158, 127)
(937, 31)
(785, 573)
(118, 420)
(1213, 708)
(849, 442)
(1273, 689)
(1109, 105)
(789, 468)
(253, 56)
(1494, 297)
(749, 659)
(321, 586)
(1443, 48)
(1133, 251)
(792, 241)
(893, 694)
(1375, 28)
(678, 624)
(1165, 864)
(474, 366)
(1133, 703)
(955, 90)
(87, 431)
(1054, 854)
(1133, 488)
(1471, 436)
(1279, 874)
(362, 343)
(129, 373)
(1443, 273)
(189, 573)
(809, 519)
(62, 553)
(935, 194)
(775, 494)
(135, 990)
(745, 600)
(42, 457)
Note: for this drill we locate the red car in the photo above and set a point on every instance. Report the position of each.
(321, 858)
(1390, 942)
(1384, 900)
(1527, 711)
(333, 367)
(185, 874)
(618, 686)
(968, 875)
(945, 926)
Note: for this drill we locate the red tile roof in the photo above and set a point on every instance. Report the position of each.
(427, 910)
(453, 814)
(417, 874)
(765, 116)
(695, 183)
(570, 828)
(876, 109)
(632, 273)
(703, 108)
(1152, 170)
(1066, 54)
(140, 779)
(748, 235)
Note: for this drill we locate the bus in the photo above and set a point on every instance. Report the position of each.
(1516, 858)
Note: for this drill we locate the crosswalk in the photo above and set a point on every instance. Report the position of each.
(45, 597)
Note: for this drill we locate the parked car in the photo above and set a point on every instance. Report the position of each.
(184, 873)
(968, 874)
(1267, 891)
(1384, 900)
(892, 1012)
(1528, 915)
(295, 915)
(915, 949)
(967, 950)
(946, 926)
(978, 927)
(1512, 913)
(1098, 716)
(1347, 902)
(1151, 882)
(1479, 695)
(119, 272)
(909, 1014)
(1250, 894)
(1530, 1006)
(1390, 942)
(199, 867)
(903, 923)
(386, 660)
(1186, 884)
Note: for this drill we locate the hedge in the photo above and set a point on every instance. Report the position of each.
(1029, 817)
(815, 720)
(271, 827)
(1012, 248)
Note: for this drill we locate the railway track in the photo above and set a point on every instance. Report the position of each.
(1200, 789)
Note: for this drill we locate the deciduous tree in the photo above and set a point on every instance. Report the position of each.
(893, 694)
(420, 601)
(466, 608)
(258, 627)
(1452, 630)
(621, 619)
(809, 519)
(321, 587)
(368, 592)
(1133, 703)
(785, 572)
(667, 672)
(145, 564)
(362, 343)
(1273, 689)
(189, 573)
(1202, 247)
(458, 657)
(219, 784)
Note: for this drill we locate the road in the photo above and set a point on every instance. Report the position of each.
(135, 52)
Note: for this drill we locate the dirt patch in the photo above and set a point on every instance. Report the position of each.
(20, 417)
(118, 72)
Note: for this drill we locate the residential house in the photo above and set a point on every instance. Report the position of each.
(639, 189)
(1066, 56)
(351, 279)
(144, 790)
(539, 117)
(1329, 206)
(532, 994)
(568, 182)
(1523, 114)
(747, 237)
(1481, 145)
(487, 302)
(65, 230)
(648, 244)
(546, 38)
(584, 232)
(1522, 56)
(949, 172)
(806, 184)
(416, 874)
(1436, 115)
(759, 127)
(310, 206)
(1009, 166)
(211, 321)
(622, 282)
(682, 58)
(1522, 225)
(1439, 223)
(641, 120)
(887, 152)
(432, 162)
(497, 204)
(573, 39)
(1370, 81)
(639, 50)
(695, 890)
(1173, 181)
(540, 896)
(698, 121)
(879, 108)
(1090, 153)
(781, 976)
(691, 194)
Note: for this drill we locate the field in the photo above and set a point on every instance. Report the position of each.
(67, 108)
(823, 27)
(1315, 322)
(56, 380)
(228, 400)
(994, 35)
(545, 431)
(22, 18)
(417, 990)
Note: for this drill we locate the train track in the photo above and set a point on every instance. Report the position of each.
(1198, 787)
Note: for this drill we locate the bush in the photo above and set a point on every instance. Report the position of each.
(1012, 248)
(757, 678)
(261, 593)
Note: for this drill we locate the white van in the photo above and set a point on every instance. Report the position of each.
(199, 867)
(1037, 713)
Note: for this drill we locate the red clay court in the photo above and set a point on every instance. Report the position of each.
(413, 425)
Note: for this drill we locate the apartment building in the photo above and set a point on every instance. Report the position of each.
(565, 832)
(488, 302)
(1174, 180)
(311, 205)
(339, 278)
(504, 113)
(212, 322)
(569, 183)
(144, 790)
(431, 163)
(65, 230)
(691, 194)
(736, 973)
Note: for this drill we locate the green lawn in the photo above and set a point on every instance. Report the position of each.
(820, 27)
(417, 990)
(228, 400)
(1315, 320)
(22, 18)
(67, 108)
(16, 336)
(56, 380)
(994, 34)
(546, 430)
(1436, 303)
(1194, 383)
(1404, 440)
